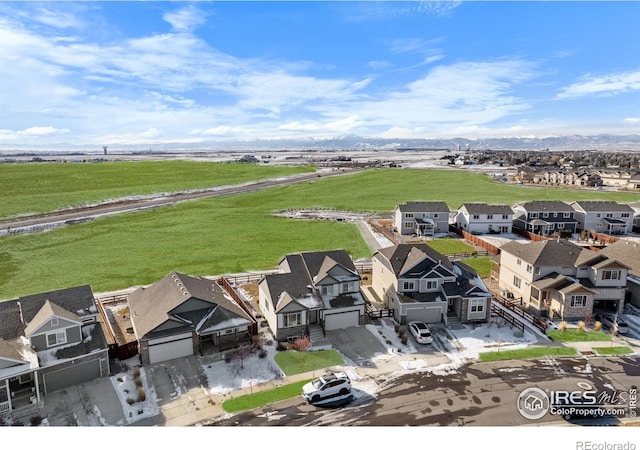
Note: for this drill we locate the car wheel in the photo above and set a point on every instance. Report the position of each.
(315, 398)
(344, 391)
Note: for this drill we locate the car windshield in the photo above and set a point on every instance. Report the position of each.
(317, 383)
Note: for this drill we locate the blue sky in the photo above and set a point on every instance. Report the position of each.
(153, 72)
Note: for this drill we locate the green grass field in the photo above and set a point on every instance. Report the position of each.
(292, 362)
(237, 233)
(251, 401)
(524, 353)
(613, 350)
(38, 187)
(575, 335)
(451, 246)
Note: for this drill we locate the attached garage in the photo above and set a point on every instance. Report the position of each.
(171, 347)
(339, 320)
(71, 375)
(427, 315)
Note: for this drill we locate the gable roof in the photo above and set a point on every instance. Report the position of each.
(304, 270)
(484, 208)
(78, 300)
(48, 310)
(544, 205)
(152, 306)
(421, 257)
(625, 251)
(558, 252)
(602, 206)
(424, 206)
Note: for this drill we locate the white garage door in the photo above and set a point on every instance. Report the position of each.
(427, 315)
(337, 321)
(178, 347)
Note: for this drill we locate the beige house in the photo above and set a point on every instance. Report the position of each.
(559, 279)
(421, 218)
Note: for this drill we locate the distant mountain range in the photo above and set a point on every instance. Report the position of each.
(353, 142)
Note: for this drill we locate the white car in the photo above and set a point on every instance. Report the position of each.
(610, 320)
(421, 332)
(332, 385)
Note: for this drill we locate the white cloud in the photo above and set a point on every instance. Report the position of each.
(632, 120)
(185, 19)
(603, 85)
(336, 126)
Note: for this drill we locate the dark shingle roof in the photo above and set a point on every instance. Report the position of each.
(603, 206)
(484, 208)
(78, 300)
(546, 205)
(420, 258)
(625, 251)
(424, 207)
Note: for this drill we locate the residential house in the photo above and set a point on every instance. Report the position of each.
(421, 218)
(420, 284)
(604, 216)
(628, 253)
(617, 178)
(179, 315)
(545, 217)
(633, 184)
(481, 218)
(48, 342)
(560, 279)
(312, 290)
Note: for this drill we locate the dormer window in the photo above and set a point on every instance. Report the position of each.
(57, 338)
(54, 322)
(611, 275)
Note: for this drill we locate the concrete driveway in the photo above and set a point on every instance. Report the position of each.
(357, 344)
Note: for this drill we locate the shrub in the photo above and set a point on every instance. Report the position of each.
(262, 353)
(35, 421)
(130, 401)
(563, 326)
(597, 326)
(581, 326)
(142, 396)
(136, 371)
(396, 327)
(400, 331)
(282, 346)
(403, 338)
(138, 382)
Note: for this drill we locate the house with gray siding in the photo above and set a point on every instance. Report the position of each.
(421, 218)
(421, 284)
(628, 253)
(48, 341)
(545, 217)
(604, 216)
(312, 291)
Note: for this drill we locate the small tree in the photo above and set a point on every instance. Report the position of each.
(302, 344)
(597, 326)
(563, 326)
(581, 326)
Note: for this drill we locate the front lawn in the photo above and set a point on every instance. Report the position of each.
(292, 362)
(480, 264)
(450, 246)
(575, 335)
(250, 401)
(524, 353)
(613, 350)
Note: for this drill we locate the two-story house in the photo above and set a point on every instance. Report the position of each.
(628, 253)
(545, 217)
(312, 290)
(559, 279)
(482, 218)
(421, 218)
(179, 314)
(604, 216)
(48, 342)
(421, 284)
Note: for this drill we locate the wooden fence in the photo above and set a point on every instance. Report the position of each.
(513, 306)
(496, 310)
(475, 240)
(229, 289)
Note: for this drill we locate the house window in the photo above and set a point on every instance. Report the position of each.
(432, 284)
(519, 262)
(292, 320)
(560, 226)
(408, 224)
(534, 215)
(529, 268)
(567, 215)
(348, 287)
(598, 215)
(435, 215)
(54, 321)
(476, 216)
(477, 304)
(57, 338)
(408, 286)
(536, 270)
(578, 300)
(505, 217)
(625, 215)
(327, 289)
(489, 216)
(409, 215)
(517, 282)
(610, 274)
(545, 214)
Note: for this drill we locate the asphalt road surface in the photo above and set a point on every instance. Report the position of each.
(480, 394)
